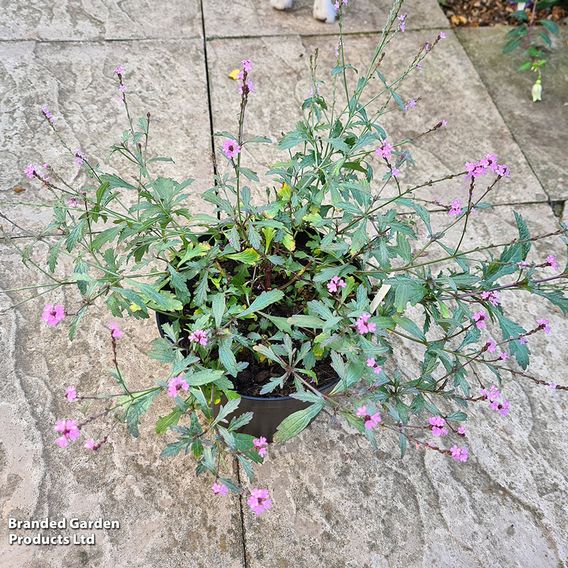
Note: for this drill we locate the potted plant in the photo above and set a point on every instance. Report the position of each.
(271, 313)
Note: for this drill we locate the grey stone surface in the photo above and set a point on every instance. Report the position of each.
(168, 516)
(339, 504)
(448, 87)
(75, 80)
(539, 128)
(99, 19)
(247, 18)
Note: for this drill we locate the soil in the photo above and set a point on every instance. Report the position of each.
(250, 381)
(476, 13)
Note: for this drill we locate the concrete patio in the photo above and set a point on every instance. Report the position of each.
(337, 504)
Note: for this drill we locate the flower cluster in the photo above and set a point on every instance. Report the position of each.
(371, 421)
(484, 166)
(496, 401)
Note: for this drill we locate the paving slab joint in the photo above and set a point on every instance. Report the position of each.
(558, 208)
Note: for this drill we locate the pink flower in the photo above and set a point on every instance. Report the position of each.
(459, 454)
(437, 425)
(456, 208)
(259, 501)
(31, 170)
(480, 318)
(247, 65)
(90, 444)
(220, 489)
(462, 431)
(442, 35)
(122, 88)
(492, 297)
(523, 340)
(246, 87)
(475, 169)
(199, 336)
(395, 172)
(504, 356)
(73, 202)
(69, 431)
(552, 262)
(231, 149)
(444, 122)
(373, 365)
(552, 386)
(385, 150)
(115, 331)
(53, 314)
(544, 325)
(371, 420)
(371, 362)
(364, 326)
(502, 170)
(176, 384)
(491, 346)
(335, 283)
(402, 20)
(48, 115)
(492, 394)
(79, 158)
(502, 407)
(261, 446)
(71, 393)
(119, 70)
(523, 264)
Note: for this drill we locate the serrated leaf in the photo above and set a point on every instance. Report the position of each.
(296, 422)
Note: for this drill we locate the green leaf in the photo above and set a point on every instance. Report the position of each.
(524, 235)
(550, 26)
(262, 301)
(296, 422)
(204, 377)
(248, 256)
(163, 300)
(137, 408)
(311, 322)
(164, 422)
(218, 308)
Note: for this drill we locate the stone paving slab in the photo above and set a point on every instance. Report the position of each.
(257, 18)
(339, 504)
(168, 516)
(448, 86)
(100, 19)
(165, 78)
(540, 128)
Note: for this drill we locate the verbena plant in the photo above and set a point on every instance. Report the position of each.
(328, 272)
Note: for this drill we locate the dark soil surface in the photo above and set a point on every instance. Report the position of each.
(476, 13)
(250, 381)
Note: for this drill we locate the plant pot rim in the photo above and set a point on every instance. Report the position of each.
(247, 396)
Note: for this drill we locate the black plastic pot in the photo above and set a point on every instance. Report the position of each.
(268, 411)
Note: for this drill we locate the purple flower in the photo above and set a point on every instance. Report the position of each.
(523, 264)
(552, 262)
(69, 431)
(220, 489)
(199, 336)
(71, 393)
(492, 394)
(456, 208)
(231, 149)
(119, 70)
(31, 170)
(259, 501)
(246, 87)
(444, 122)
(79, 158)
(261, 446)
(177, 384)
(371, 420)
(459, 454)
(502, 407)
(437, 425)
(480, 318)
(492, 297)
(364, 326)
(504, 356)
(371, 363)
(544, 325)
(402, 24)
(48, 115)
(442, 35)
(53, 314)
(247, 65)
(491, 346)
(385, 150)
(410, 104)
(462, 431)
(395, 172)
(115, 331)
(335, 284)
